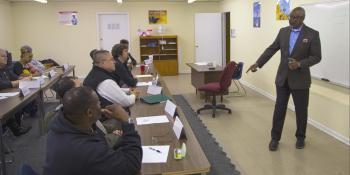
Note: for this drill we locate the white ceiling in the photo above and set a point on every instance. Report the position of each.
(123, 0)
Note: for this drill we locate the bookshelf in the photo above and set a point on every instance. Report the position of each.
(164, 50)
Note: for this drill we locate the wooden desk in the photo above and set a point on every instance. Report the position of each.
(195, 161)
(201, 75)
(47, 85)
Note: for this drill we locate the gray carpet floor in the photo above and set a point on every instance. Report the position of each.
(220, 163)
(29, 148)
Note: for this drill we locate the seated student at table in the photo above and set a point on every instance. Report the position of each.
(10, 80)
(114, 74)
(130, 62)
(120, 55)
(24, 67)
(110, 127)
(75, 146)
(101, 79)
(92, 52)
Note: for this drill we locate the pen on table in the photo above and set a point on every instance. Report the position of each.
(154, 150)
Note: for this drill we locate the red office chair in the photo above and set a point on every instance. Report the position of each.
(217, 88)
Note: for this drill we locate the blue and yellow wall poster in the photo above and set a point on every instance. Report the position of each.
(282, 9)
(157, 17)
(256, 14)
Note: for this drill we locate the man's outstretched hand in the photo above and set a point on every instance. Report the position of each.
(253, 68)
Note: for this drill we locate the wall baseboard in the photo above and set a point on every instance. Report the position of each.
(185, 71)
(312, 122)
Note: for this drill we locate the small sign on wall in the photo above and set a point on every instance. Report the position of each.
(68, 17)
(256, 14)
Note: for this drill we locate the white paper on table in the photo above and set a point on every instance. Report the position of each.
(152, 120)
(170, 108)
(9, 94)
(152, 156)
(1, 98)
(41, 79)
(140, 65)
(52, 73)
(30, 84)
(177, 128)
(65, 67)
(201, 63)
(154, 90)
(144, 84)
(143, 76)
(25, 91)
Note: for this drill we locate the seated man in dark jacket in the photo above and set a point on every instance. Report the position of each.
(130, 62)
(76, 146)
(10, 80)
(110, 127)
(120, 55)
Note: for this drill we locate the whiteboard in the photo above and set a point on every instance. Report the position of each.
(331, 19)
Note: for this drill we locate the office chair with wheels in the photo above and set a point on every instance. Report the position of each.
(218, 88)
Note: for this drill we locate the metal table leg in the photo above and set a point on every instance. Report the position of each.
(3, 162)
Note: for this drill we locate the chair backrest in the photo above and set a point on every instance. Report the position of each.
(25, 169)
(226, 75)
(9, 58)
(238, 72)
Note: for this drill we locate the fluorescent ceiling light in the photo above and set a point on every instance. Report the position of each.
(191, 1)
(120, 1)
(41, 1)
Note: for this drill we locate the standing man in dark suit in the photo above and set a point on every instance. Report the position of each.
(300, 49)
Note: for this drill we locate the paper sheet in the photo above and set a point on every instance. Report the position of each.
(143, 76)
(154, 90)
(9, 94)
(152, 120)
(144, 84)
(177, 128)
(201, 63)
(1, 98)
(150, 155)
(29, 84)
(170, 108)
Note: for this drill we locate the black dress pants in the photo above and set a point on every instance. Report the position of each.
(301, 102)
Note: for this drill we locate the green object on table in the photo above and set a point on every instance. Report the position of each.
(154, 99)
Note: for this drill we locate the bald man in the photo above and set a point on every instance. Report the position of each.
(75, 146)
(300, 49)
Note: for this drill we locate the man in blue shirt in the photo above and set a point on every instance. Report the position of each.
(300, 49)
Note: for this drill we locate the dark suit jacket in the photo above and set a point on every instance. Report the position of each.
(307, 50)
(124, 73)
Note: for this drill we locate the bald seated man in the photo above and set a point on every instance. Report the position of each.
(75, 146)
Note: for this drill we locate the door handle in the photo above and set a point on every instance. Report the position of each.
(101, 39)
(197, 46)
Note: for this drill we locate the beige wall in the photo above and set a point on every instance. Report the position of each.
(329, 104)
(37, 25)
(6, 26)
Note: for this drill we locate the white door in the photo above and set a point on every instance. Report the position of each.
(208, 38)
(112, 28)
